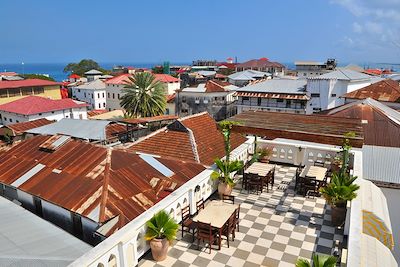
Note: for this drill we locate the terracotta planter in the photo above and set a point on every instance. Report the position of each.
(224, 189)
(264, 160)
(338, 215)
(159, 248)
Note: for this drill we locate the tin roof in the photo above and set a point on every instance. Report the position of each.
(21, 127)
(312, 128)
(26, 83)
(279, 86)
(192, 138)
(31, 105)
(381, 123)
(343, 74)
(94, 181)
(385, 90)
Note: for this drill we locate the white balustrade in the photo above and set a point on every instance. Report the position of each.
(127, 245)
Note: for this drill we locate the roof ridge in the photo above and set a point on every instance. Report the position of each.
(193, 143)
(193, 116)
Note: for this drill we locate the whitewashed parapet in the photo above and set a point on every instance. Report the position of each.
(127, 245)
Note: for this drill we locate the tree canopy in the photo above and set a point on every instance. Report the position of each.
(37, 76)
(83, 66)
(144, 96)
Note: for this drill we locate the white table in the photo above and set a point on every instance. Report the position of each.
(314, 171)
(262, 169)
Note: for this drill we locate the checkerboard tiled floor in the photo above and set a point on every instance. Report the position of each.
(276, 228)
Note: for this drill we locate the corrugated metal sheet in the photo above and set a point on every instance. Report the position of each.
(381, 164)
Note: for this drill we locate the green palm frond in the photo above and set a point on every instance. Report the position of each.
(144, 96)
(225, 168)
(319, 260)
(161, 225)
(303, 263)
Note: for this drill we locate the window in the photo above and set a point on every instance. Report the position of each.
(10, 120)
(245, 98)
(279, 100)
(333, 95)
(99, 105)
(104, 105)
(103, 94)
(113, 95)
(40, 114)
(5, 118)
(52, 112)
(215, 98)
(108, 95)
(315, 95)
(26, 91)
(183, 98)
(38, 90)
(17, 121)
(316, 109)
(13, 92)
(79, 90)
(3, 93)
(119, 97)
(259, 101)
(98, 95)
(84, 94)
(304, 74)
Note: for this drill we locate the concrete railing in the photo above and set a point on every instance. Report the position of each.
(125, 247)
(300, 153)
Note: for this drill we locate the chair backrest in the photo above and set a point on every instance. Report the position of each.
(253, 177)
(232, 220)
(185, 213)
(200, 204)
(228, 198)
(204, 229)
(310, 180)
(319, 163)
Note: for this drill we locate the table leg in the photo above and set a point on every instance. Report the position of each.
(220, 237)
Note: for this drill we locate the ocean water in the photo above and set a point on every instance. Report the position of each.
(55, 70)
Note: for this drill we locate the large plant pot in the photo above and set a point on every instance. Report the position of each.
(224, 189)
(338, 215)
(264, 160)
(159, 248)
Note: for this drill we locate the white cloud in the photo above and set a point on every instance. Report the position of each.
(357, 28)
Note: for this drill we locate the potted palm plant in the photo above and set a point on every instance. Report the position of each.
(319, 260)
(340, 190)
(223, 175)
(161, 231)
(226, 167)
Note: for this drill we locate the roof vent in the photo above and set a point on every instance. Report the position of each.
(53, 143)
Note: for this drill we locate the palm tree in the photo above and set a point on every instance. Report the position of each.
(319, 260)
(144, 96)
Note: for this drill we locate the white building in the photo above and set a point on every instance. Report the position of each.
(279, 95)
(307, 69)
(325, 90)
(93, 93)
(92, 75)
(35, 107)
(116, 85)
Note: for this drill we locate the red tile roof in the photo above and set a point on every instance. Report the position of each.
(193, 138)
(386, 90)
(21, 127)
(171, 98)
(81, 183)
(150, 119)
(35, 104)
(96, 112)
(26, 83)
(121, 79)
(259, 63)
(74, 76)
(166, 78)
(8, 73)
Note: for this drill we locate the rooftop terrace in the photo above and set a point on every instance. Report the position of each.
(276, 228)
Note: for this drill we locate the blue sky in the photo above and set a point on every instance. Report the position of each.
(183, 30)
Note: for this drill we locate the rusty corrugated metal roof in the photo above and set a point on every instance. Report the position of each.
(84, 177)
(21, 127)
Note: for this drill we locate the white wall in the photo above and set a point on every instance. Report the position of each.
(172, 87)
(76, 113)
(113, 93)
(95, 98)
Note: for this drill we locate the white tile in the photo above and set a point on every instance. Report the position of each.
(281, 239)
(246, 246)
(253, 212)
(297, 236)
(245, 223)
(274, 254)
(285, 264)
(287, 226)
(169, 261)
(292, 250)
(308, 246)
(188, 257)
(216, 264)
(233, 261)
(264, 242)
(254, 232)
(271, 229)
(277, 218)
(255, 258)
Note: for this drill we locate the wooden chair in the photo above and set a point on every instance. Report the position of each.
(229, 228)
(228, 198)
(199, 205)
(310, 186)
(244, 181)
(188, 225)
(254, 181)
(319, 163)
(206, 233)
(237, 213)
(297, 179)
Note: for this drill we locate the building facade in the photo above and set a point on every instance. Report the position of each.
(276, 95)
(262, 64)
(93, 93)
(215, 97)
(305, 69)
(33, 107)
(14, 90)
(326, 90)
